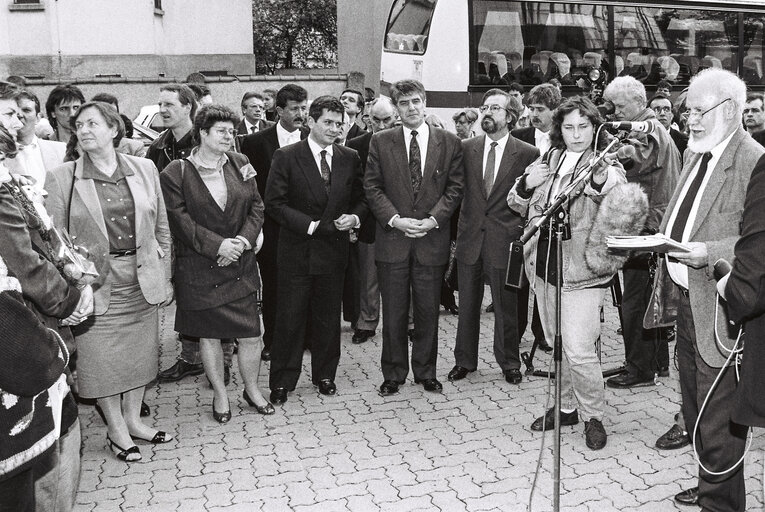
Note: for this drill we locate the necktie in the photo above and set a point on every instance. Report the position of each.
(488, 175)
(415, 168)
(253, 129)
(325, 170)
(681, 219)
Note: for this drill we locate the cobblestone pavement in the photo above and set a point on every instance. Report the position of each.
(469, 448)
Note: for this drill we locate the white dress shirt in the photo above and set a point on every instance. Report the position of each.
(316, 152)
(30, 160)
(423, 136)
(679, 271)
(542, 141)
(498, 152)
(286, 138)
(249, 126)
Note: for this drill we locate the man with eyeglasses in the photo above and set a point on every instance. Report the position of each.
(655, 167)
(292, 109)
(662, 107)
(253, 110)
(485, 231)
(705, 214)
(413, 183)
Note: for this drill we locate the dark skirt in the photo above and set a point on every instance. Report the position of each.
(237, 319)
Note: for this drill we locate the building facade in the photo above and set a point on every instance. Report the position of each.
(81, 39)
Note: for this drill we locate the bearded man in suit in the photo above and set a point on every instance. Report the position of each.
(485, 231)
(705, 214)
(413, 183)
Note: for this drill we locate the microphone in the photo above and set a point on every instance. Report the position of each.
(634, 126)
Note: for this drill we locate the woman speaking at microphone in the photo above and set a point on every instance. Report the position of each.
(572, 134)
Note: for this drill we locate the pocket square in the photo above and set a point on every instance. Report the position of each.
(248, 172)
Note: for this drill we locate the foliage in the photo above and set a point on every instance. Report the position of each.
(294, 34)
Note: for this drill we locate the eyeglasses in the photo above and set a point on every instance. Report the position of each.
(224, 131)
(659, 110)
(696, 112)
(491, 108)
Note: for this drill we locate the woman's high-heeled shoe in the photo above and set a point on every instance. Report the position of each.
(221, 417)
(159, 438)
(266, 410)
(132, 454)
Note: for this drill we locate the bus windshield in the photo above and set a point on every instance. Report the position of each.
(535, 42)
(409, 26)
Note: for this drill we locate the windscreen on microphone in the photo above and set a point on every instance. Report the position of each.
(635, 126)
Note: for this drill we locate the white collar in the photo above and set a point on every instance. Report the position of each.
(423, 130)
(316, 149)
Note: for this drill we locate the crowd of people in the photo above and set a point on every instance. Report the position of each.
(368, 210)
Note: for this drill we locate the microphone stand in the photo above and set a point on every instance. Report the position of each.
(557, 214)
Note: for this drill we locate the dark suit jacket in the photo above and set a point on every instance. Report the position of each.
(199, 226)
(717, 224)
(680, 139)
(388, 187)
(296, 196)
(745, 294)
(361, 145)
(262, 125)
(525, 135)
(355, 131)
(259, 148)
(759, 137)
(488, 222)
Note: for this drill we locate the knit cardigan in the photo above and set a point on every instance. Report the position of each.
(32, 360)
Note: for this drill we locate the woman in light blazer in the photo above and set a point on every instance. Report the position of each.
(113, 206)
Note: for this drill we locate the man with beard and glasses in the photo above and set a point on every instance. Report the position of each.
(292, 110)
(705, 214)
(485, 231)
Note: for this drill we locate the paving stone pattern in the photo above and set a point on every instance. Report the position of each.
(469, 448)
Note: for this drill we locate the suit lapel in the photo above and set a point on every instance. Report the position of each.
(434, 144)
(312, 173)
(477, 169)
(85, 190)
(403, 160)
(716, 180)
(688, 165)
(138, 191)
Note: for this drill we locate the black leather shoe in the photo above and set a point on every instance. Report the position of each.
(571, 418)
(688, 496)
(594, 434)
(431, 385)
(327, 387)
(673, 439)
(362, 335)
(513, 376)
(180, 370)
(490, 308)
(629, 380)
(452, 308)
(145, 411)
(388, 388)
(458, 373)
(543, 345)
(265, 355)
(278, 396)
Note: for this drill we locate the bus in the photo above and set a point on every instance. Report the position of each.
(459, 49)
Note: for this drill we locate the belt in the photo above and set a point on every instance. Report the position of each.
(124, 252)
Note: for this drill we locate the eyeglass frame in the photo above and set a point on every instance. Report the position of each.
(492, 108)
(690, 113)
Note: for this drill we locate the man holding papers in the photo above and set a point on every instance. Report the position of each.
(705, 214)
